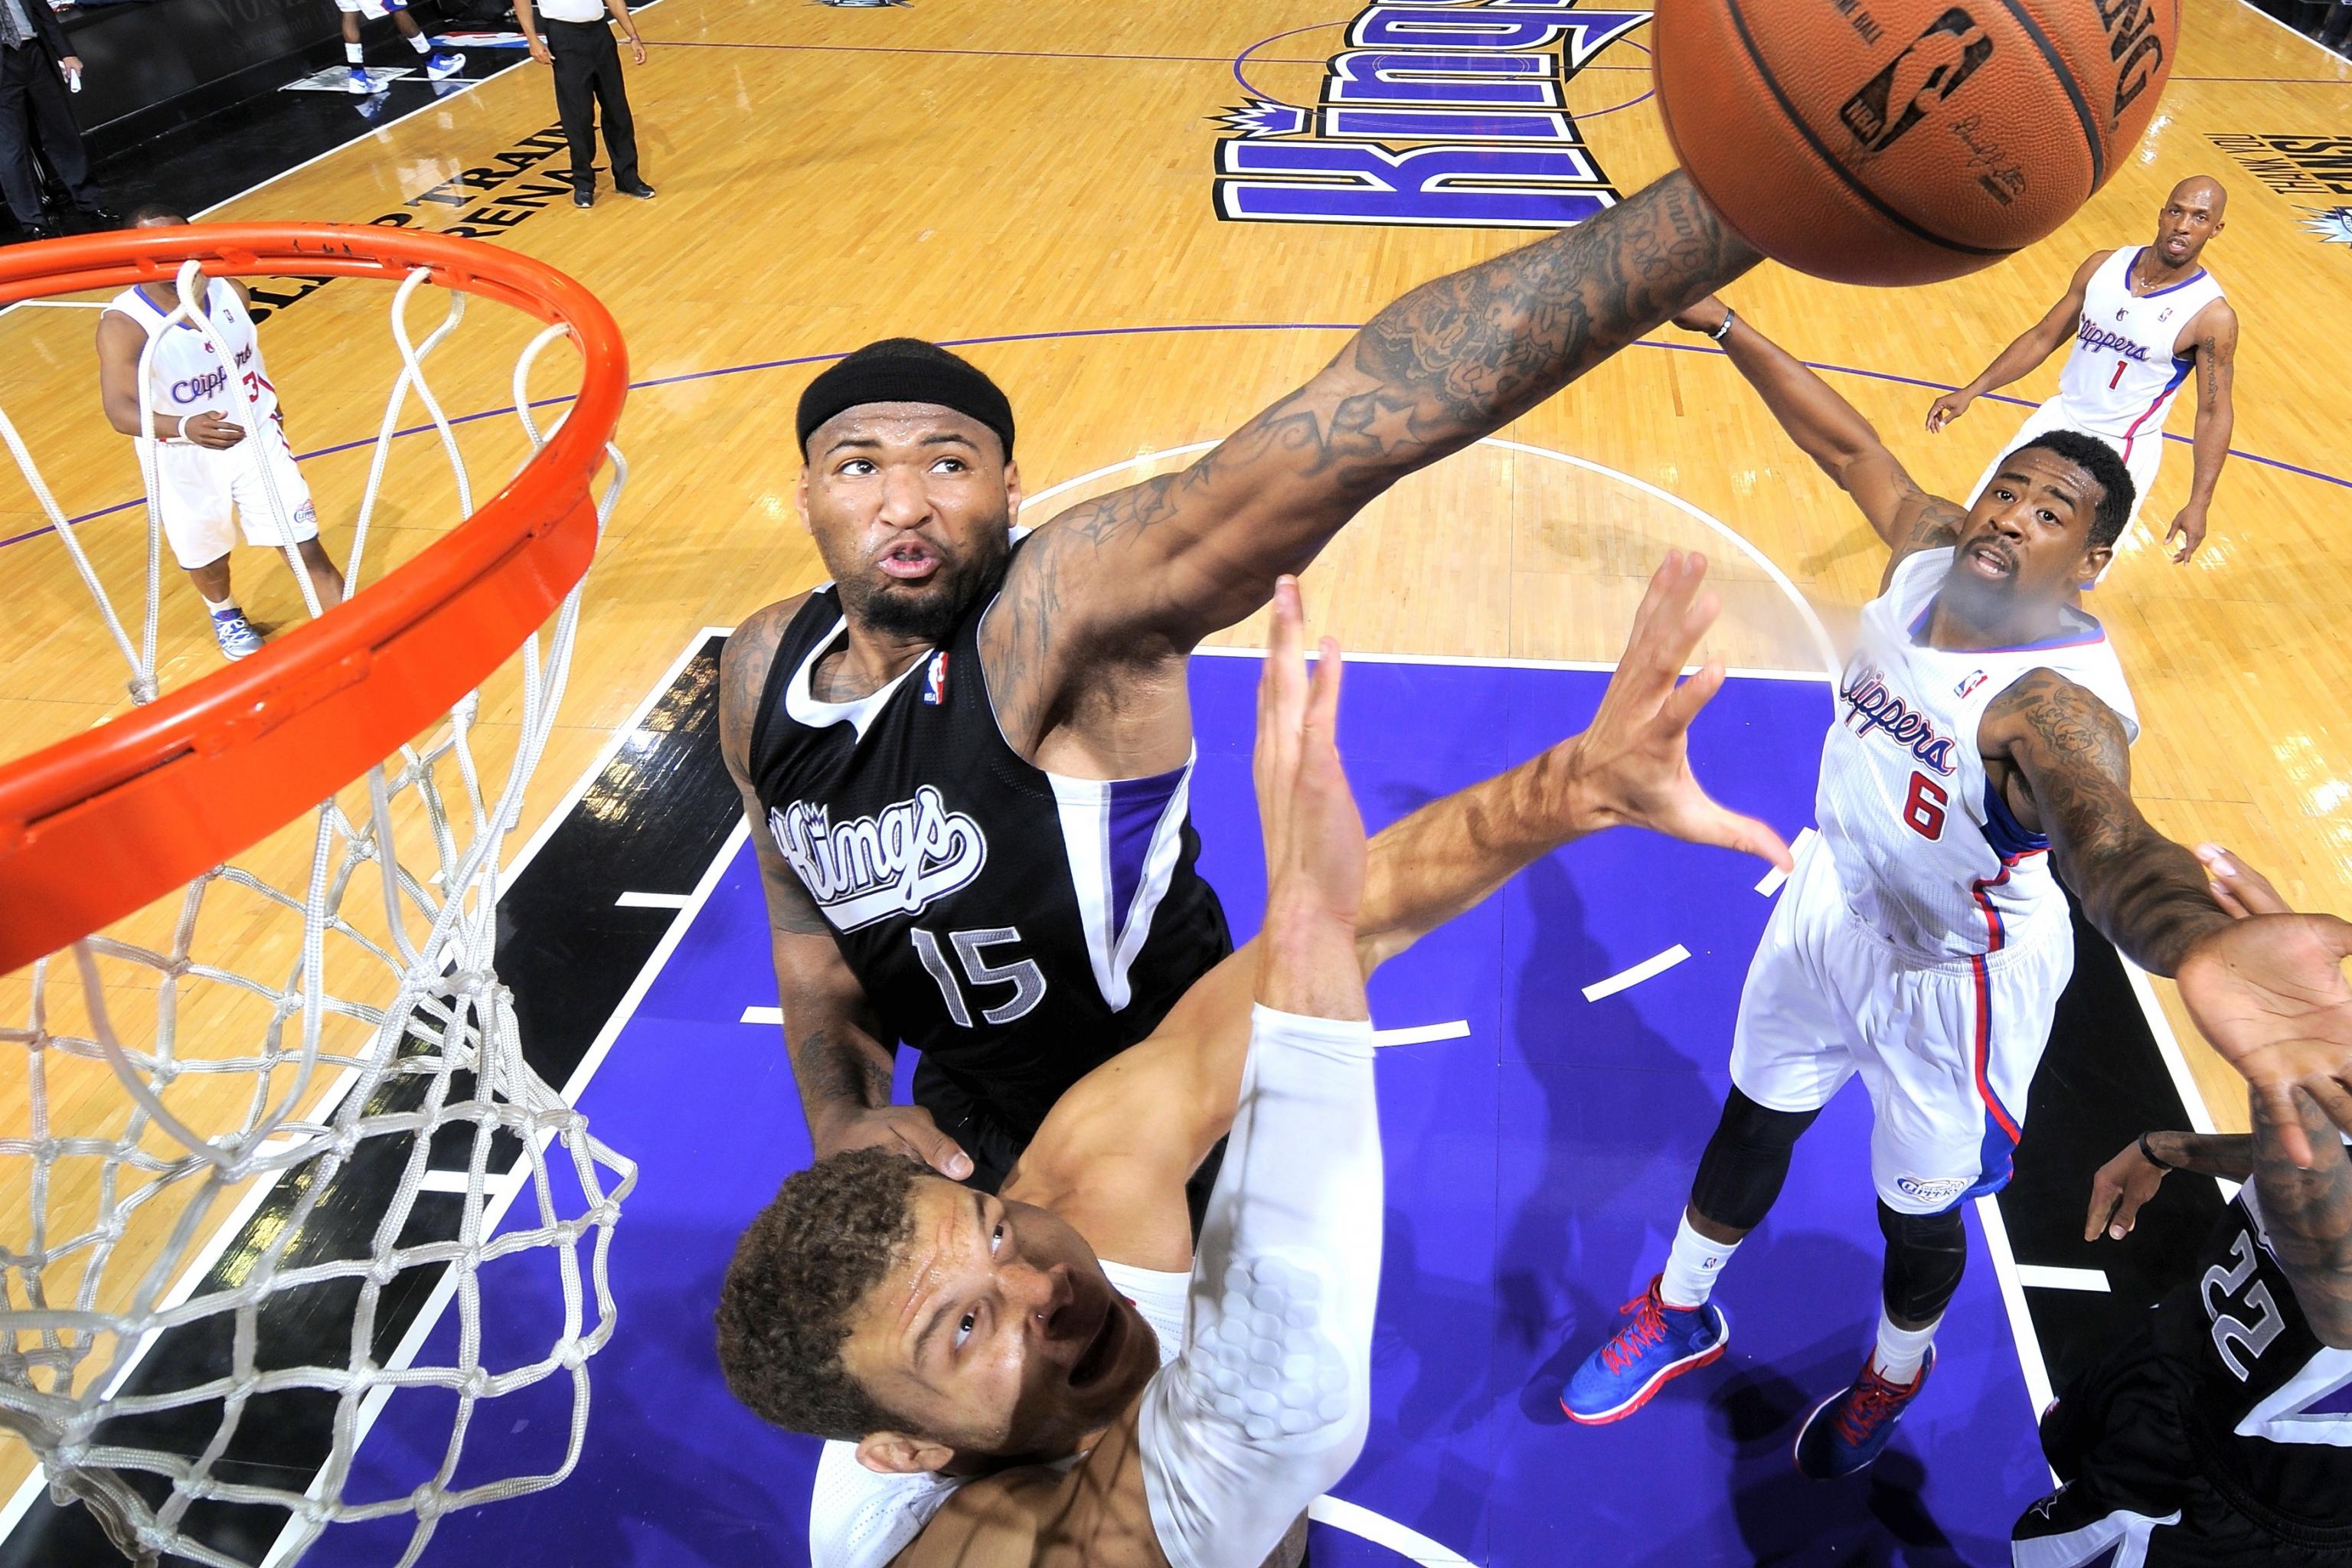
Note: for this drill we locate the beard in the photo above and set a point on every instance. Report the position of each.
(929, 610)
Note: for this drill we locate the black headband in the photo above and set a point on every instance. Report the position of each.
(919, 372)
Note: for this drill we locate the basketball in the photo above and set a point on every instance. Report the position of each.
(1907, 142)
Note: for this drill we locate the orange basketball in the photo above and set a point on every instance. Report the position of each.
(1899, 141)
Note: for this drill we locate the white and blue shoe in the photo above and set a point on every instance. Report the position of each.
(359, 81)
(1657, 1345)
(235, 634)
(444, 63)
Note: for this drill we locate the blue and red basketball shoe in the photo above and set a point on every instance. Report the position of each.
(1849, 1429)
(1657, 1345)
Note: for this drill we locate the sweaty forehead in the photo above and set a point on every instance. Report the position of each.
(2054, 477)
(900, 424)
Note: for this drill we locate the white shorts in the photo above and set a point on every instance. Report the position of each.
(199, 494)
(1947, 1049)
(2143, 455)
(372, 9)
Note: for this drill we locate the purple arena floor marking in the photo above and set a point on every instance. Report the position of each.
(1536, 1168)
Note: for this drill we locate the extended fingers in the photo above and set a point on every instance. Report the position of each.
(1682, 707)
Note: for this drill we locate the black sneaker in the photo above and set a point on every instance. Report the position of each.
(639, 189)
(582, 198)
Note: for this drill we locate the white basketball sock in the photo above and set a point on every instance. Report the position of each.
(420, 43)
(356, 53)
(216, 606)
(1901, 1352)
(1693, 1267)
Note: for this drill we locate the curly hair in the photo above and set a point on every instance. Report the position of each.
(798, 1271)
(2099, 461)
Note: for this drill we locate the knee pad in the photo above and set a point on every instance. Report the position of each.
(1746, 1162)
(1925, 1255)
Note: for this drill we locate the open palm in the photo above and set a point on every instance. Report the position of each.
(2269, 992)
(1633, 762)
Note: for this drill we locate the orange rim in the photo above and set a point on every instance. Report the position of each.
(100, 825)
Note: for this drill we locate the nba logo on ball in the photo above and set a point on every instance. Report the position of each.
(1916, 81)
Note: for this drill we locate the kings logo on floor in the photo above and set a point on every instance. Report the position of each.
(1448, 114)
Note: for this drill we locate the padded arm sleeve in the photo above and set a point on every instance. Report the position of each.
(1268, 1405)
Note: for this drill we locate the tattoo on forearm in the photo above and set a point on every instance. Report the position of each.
(840, 1074)
(2143, 893)
(1937, 525)
(2308, 1213)
(2229, 1155)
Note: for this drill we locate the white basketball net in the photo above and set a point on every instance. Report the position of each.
(169, 1094)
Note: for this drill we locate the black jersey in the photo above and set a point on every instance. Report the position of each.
(2267, 1406)
(1016, 927)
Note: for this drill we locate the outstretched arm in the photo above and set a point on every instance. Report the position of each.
(2217, 354)
(2142, 891)
(1834, 435)
(2036, 343)
(1629, 767)
(1147, 572)
(2266, 991)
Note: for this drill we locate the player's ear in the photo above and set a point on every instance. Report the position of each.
(897, 1454)
(2094, 562)
(800, 498)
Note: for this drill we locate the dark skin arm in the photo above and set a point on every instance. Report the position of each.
(2307, 1214)
(2069, 774)
(2214, 337)
(120, 342)
(2036, 343)
(1129, 583)
(1834, 435)
(842, 1064)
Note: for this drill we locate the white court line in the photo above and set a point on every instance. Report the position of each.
(1423, 1034)
(2048, 1277)
(454, 1182)
(652, 900)
(1474, 661)
(1770, 882)
(1405, 1542)
(1626, 979)
(762, 1016)
(2038, 1393)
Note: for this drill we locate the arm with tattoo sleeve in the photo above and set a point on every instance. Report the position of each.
(2307, 1215)
(1148, 571)
(841, 1064)
(2142, 891)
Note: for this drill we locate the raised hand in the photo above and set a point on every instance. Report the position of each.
(1632, 765)
(2268, 991)
(1313, 834)
(2237, 888)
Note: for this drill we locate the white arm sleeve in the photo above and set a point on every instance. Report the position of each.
(1268, 1408)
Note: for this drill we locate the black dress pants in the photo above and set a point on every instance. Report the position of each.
(33, 100)
(588, 75)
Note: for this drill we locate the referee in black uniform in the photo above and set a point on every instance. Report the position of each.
(587, 63)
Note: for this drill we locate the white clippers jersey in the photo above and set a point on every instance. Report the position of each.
(1927, 856)
(185, 374)
(2121, 378)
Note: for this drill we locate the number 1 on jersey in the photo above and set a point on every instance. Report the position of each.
(1924, 808)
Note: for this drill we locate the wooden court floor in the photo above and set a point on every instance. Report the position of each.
(1040, 177)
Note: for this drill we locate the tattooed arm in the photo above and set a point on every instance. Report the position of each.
(2307, 1215)
(2215, 331)
(1143, 574)
(1834, 435)
(840, 1062)
(2143, 893)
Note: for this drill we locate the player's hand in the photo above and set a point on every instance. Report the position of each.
(1632, 765)
(1949, 407)
(2118, 1191)
(637, 51)
(2237, 887)
(1706, 316)
(2188, 528)
(211, 430)
(1313, 834)
(905, 1129)
(71, 65)
(539, 50)
(2268, 991)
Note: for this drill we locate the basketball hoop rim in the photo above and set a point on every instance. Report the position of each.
(106, 821)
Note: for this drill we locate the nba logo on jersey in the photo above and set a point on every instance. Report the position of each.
(1970, 682)
(935, 679)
